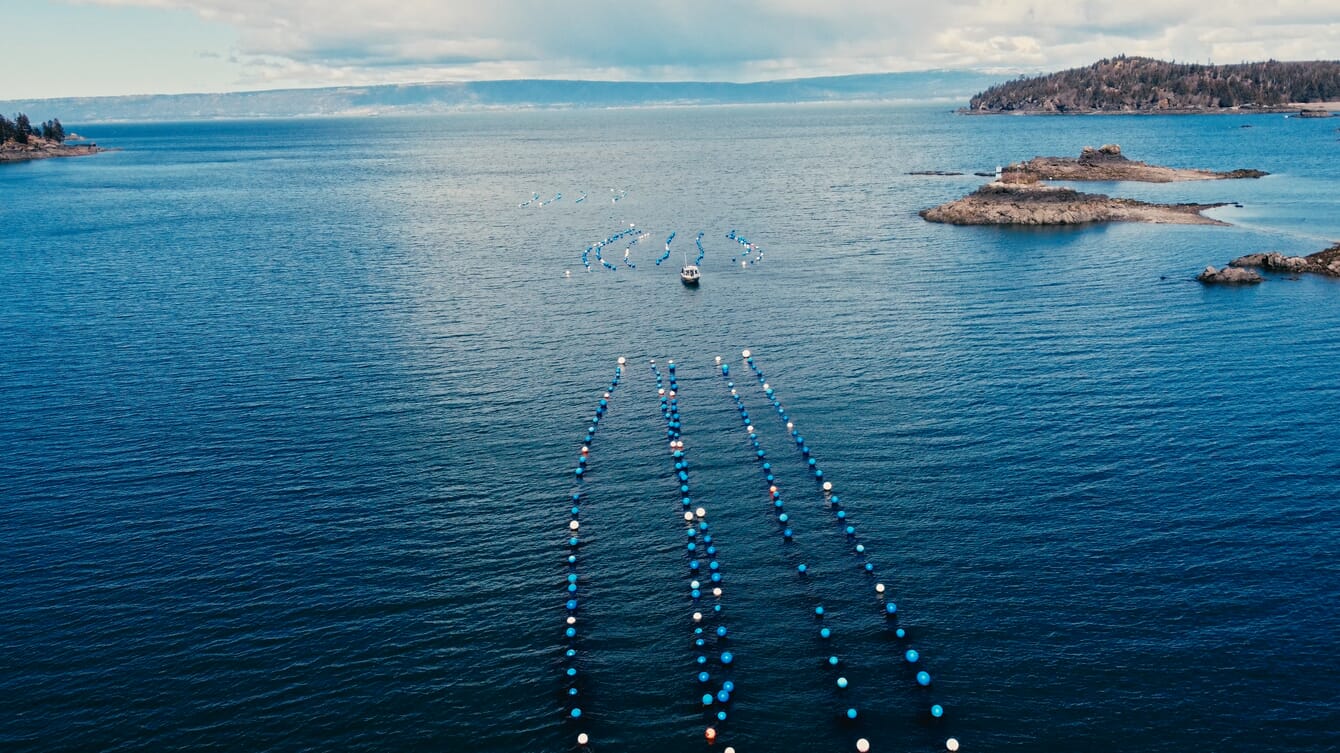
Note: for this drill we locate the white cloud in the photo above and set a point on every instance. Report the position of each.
(292, 42)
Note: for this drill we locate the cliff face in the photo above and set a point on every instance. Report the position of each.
(1134, 84)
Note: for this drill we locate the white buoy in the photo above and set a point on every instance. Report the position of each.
(863, 745)
(660, 391)
(745, 353)
(574, 525)
(583, 739)
(743, 265)
(701, 512)
(688, 517)
(951, 744)
(572, 620)
(567, 273)
(879, 588)
(765, 386)
(717, 592)
(718, 359)
(697, 616)
(622, 360)
(790, 426)
(828, 486)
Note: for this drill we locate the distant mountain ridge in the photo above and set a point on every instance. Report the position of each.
(1138, 84)
(523, 93)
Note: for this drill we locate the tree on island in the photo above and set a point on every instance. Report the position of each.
(20, 129)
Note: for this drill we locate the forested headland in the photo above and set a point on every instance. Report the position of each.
(1139, 84)
(21, 140)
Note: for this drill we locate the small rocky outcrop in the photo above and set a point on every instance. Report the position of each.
(1107, 163)
(1325, 263)
(38, 148)
(1006, 203)
(1229, 276)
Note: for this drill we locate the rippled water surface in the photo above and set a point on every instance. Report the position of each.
(291, 411)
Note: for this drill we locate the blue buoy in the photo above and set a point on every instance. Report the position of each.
(727, 657)
(833, 661)
(723, 696)
(721, 631)
(825, 633)
(923, 678)
(728, 686)
(576, 712)
(819, 611)
(891, 608)
(801, 569)
(707, 699)
(571, 672)
(900, 633)
(570, 632)
(851, 713)
(912, 655)
(703, 677)
(842, 682)
(937, 711)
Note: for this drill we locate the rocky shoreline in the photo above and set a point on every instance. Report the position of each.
(1107, 163)
(12, 151)
(1242, 270)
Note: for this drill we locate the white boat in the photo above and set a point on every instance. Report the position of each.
(689, 274)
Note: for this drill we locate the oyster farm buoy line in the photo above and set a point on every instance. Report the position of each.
(710, 680)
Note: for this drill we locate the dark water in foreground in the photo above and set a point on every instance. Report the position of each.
(290, 413)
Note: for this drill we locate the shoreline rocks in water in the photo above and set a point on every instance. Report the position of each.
(38, 148)
(1325, 263)
(1004, 203)
(1229, 276)
(1107, 163)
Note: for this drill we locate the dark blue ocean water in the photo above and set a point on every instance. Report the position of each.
(289, 413)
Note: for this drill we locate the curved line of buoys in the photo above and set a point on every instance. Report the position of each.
(701, 252)
(571, 673)
(598, 245)
(749, 248)
(628, 250)
(534, 197)
(619, 194)
(834, 503)
(580, 199)
(712, 654)
(833, 657)
(666, 255)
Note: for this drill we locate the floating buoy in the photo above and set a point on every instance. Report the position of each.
(828, 486)
(951, 744)
(851, 713)
(745, 353)
(842, 682)
(863, 746)
(710, 734)
(879, 588)
(576, 712)
(923, 678)
(912, 656)
(622, 361)
(937, 711)
(583, 739)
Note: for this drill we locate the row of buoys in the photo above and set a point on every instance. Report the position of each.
(710, 633)
(535, 200)
(701, 251)
(573, 710)
(833, 660)
(666, 255)
(834, 503)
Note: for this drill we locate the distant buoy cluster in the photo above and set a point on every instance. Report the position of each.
(571, 673)
(701, 251)
(535, 201)
(833, 660)
(713, 658)
(833, 502)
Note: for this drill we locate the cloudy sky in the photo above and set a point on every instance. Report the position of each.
(108, 47)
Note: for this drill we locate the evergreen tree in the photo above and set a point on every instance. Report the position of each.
(23, 129)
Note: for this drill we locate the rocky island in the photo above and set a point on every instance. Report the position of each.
(1020, 197)
(1107, 163)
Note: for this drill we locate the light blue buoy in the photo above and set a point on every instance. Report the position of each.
(923, 678)
(833, 661)
(721, 631)
(727, 657)
(801, 569)
(723, 696)
(819, 611)
(912, 656)
(571, 672)
(851, 713)
(900, 633)
(842, 682)
(825, 633)
(703, 677)
(707, 699)
(576, 713)
(728, 686)
(892, 608)
(570, 632)
(937, 711)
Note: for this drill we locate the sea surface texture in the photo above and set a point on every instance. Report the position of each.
(290, 413)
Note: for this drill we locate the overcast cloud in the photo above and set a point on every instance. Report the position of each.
(310, 42)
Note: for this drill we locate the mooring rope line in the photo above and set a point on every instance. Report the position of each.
(834, 660)
(710, 634)
(572, 677)
(834, 503)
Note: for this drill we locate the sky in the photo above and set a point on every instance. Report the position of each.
(114, 47)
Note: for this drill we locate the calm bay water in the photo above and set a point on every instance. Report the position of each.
(291, 411)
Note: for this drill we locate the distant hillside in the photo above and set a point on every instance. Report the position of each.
(452, 96)
(1135, 84)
